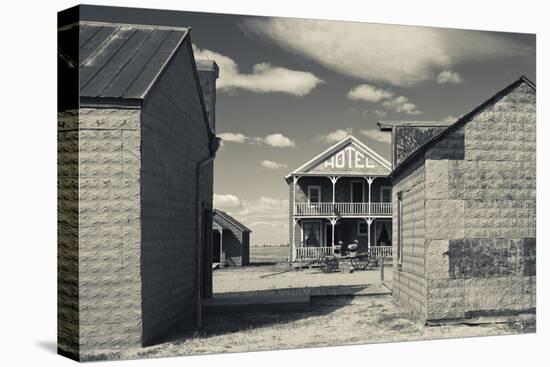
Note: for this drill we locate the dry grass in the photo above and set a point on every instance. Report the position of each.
(330, 321)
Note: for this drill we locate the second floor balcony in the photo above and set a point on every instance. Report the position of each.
(339, 209)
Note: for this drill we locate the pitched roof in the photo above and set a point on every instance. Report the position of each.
(350, 139)
(460, 122)
(389, 125)
(230, 219)
(120, 60)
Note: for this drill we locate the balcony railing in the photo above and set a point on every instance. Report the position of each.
(343, 209)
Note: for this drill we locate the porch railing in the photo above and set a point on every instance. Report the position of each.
(380, 251)
(311, 253)
(343, 209)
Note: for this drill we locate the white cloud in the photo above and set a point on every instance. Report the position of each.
(369, 93)
(399, 55)
(233, 137)
(333, 136)
(226, 202)
(265, 78)
(275, 140)
(449, 76)
(273, 165)
(278, 140)
(375, 134)
(402, 104)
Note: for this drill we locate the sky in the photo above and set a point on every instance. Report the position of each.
(289, 88)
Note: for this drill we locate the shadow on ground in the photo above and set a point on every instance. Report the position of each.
(48, 345)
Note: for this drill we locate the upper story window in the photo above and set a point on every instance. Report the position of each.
(313, 194)
(385, 194)
(357, 191)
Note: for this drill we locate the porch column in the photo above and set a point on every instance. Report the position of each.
(222, 257)
(292, 256)
(333, 222)
(369, 222)
(293, 245)
(370, 180)
(333, 179)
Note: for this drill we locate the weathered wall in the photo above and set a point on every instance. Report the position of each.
(409, 278)
(480, 218)
(99, 238)
(481, 258)
(174, 140)
(68, 328)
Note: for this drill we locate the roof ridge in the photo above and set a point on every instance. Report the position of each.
(464, 119)
(121, 24)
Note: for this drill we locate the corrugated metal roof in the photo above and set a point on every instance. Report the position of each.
(230, 219)
(122, 60)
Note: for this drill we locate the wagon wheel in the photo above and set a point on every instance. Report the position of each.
(328, 263)
(360, 261)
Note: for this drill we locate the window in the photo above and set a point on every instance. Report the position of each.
(362, 228)
(399, 230)
(357, 191)
(385, 194)
(314, 194)
(311, 234)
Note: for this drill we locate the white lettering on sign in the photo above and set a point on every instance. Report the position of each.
(349, 158)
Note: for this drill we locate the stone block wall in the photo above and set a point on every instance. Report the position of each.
(481, 219)
(174, 141)
(409, 277)
(99, 230)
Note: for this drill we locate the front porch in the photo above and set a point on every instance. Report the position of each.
(319, 236)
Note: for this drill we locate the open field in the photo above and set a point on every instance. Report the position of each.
(329, 321)
(261, 255)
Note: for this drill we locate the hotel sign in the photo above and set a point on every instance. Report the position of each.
(349, 159)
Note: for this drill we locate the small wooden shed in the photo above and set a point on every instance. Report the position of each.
(231, 240)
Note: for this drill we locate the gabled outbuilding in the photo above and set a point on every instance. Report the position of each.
(465, 215)
(231, 240)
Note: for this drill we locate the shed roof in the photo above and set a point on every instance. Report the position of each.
(121, 60)
(389, 125)
(230, 219)
(460, 122)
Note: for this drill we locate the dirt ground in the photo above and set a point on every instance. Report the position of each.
(328, 321)
(269, 270)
